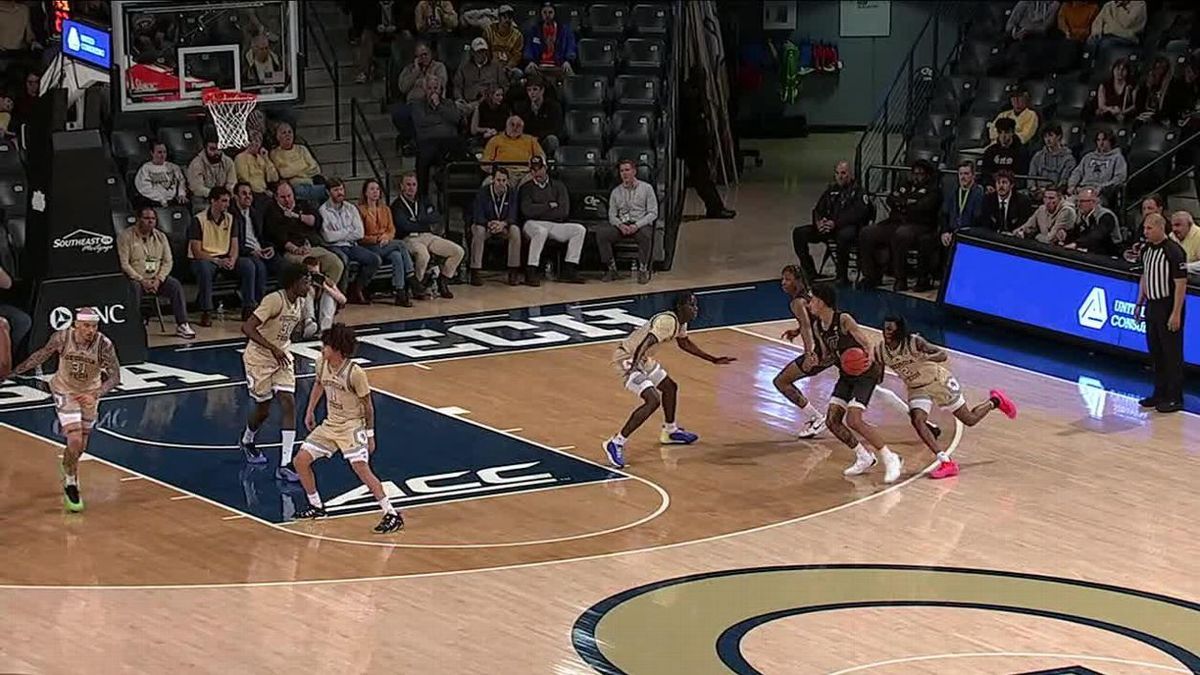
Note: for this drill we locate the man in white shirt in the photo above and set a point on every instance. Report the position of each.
(632, 211)
(342, 228)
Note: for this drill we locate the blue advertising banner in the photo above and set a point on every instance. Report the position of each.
(1052, 295)
(87, 43)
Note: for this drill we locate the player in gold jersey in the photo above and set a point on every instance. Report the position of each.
(642, 375)
(87, 370)
(919, 364)
(269, 371)
(349, 426)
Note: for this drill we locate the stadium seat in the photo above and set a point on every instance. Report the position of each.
(13, 199)
(1073, 99)
(1042, 95)
(590, 206)
(937, 125)
(575, 165)
(122, 219)
(585, 92)
(130, 147)
(585, 127)
(1099, 66)
(571, 12)
(183, 143)
(117, 195)
(452, 51)
(991, 96)
(953, 94)
(924, 149)
(174, 222)
(971, 132)
(606, 20)
(16, 233)
(647, 19)
(978, 58)
(10, 161)
(643, 56)
(597, 56)
(1073, 132)
(646, 159)
(988, 18)
(633, 127)
(637, 91)
(1150, 141)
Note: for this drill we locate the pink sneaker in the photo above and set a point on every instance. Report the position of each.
(945, 470)
(1004, 404)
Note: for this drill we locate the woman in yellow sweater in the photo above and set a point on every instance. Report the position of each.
(296, 165)
(379, 237)
(254, 165)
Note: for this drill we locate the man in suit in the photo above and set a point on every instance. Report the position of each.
(961, 208)
(248, 223)
(1005, 209)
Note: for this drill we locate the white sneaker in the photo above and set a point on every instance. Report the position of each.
(860, 466)
(892, 463)
(185, 331)
(814, 426)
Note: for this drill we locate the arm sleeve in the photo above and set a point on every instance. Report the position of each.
(408, 77)
(1178, 261)
(168, 260)
(651, 208)
(195, 176)
(1075, 177)
(180, 183)
(512, 216)
(123, 245)
(530, 208)
(563, 211)
(613, 218)
(1120, 171)
(141, 182)
(480, 215)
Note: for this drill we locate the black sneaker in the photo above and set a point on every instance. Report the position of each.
(253, 454)
(311, 512)
(1148, 402)
(392, 522)
(1169, 406)
(934, 429)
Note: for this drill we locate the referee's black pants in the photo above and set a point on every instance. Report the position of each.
(1166, 351)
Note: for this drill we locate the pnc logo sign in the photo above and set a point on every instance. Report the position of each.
(61, 317)
(1093, 313)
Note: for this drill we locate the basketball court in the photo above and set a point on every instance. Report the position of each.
(1065, 545)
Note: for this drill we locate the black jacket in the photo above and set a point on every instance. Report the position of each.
(240, 226)
(424, 220)
(916, 203)
(1097, 232)
(280, 229)
(547, 121)
(997, 157)
(843, 205)
(1019, 210)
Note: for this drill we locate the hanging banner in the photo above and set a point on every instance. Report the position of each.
(866, 18)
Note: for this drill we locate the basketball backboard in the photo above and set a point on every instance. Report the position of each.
(168, 53)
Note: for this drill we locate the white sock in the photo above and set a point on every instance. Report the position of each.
(315, 499)
(619, 439)
(670, 427)
(893, 400)
(862, 453)
(289, 440)
(69, 479)
(248, 435)
(386, 505)
(810, 411)
(943, 456)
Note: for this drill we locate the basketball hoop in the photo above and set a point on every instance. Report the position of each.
(230, 109)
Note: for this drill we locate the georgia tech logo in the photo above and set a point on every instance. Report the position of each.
(61, 317)
(86, 241)
(1093, 313)
(641, 629)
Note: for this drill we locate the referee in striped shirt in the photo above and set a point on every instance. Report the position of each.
(1161, 293)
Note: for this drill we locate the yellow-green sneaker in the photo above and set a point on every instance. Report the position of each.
(71, 498)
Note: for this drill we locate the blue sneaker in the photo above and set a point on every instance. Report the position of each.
(680, 436)
(253, 454)
(287, 473)
(616, 453)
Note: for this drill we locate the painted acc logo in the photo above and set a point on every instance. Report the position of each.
(61, 317)
(1093, 313)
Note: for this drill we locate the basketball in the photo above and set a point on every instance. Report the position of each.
(855, 361)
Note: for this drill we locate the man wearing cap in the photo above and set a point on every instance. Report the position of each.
(545, 205)
(87, 370)
(477, 76)
(549, 43)
(505, 38)
(1021, 114)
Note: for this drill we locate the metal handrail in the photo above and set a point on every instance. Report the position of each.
(943, 172)
(329, 59)
(370, 147)
(1126, 205)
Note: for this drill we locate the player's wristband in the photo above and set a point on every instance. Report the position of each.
(370, 433)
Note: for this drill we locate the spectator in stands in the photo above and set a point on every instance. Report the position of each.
(296, 165)
(435, 121)
(1182, 104)
(490, 117)
(16, 30)
(253, 166)
(295, 229)
(213, 249)
(495, 215)
(549, 43)
(1021, 114)
(161, 182)
(263, 67)
(25, 102)
(545, 206)
(1054, 162)
(436, 16)
(1075, 19)
(366, 26)
(840, 212)
(514, 149)
(1006, 153)
(321, 304)
(913, 206)
(1153, 204)
(963, 207)
(543, 116)
(1031, 27)
(1152, 94)
(1103, 168)
(342, 228)
(209, 169)
(1097, 228)
(1005, 209)
(412, 81)
(1052, 222)
(505, 38)
(1119, 22)
(7, 128)
(379, 237)
(1116, 99)
(632, 212)
(478, 77)
(415, 218)
(1185, 232)
(19, 322)
(248, 224)
(145, 255)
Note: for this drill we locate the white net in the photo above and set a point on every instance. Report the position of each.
(229, 115)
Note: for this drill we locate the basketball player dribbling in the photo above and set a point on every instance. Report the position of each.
(820, 353)
(919, 364)
(87, 370)
(349, 426)
(269, 371)
(642, 375)
(852, 393)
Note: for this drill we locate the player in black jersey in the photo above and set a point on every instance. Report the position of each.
(835, 332)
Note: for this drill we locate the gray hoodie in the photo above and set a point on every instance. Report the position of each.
(1099, 170)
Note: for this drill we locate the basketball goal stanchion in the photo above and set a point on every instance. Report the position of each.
(230, 109)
